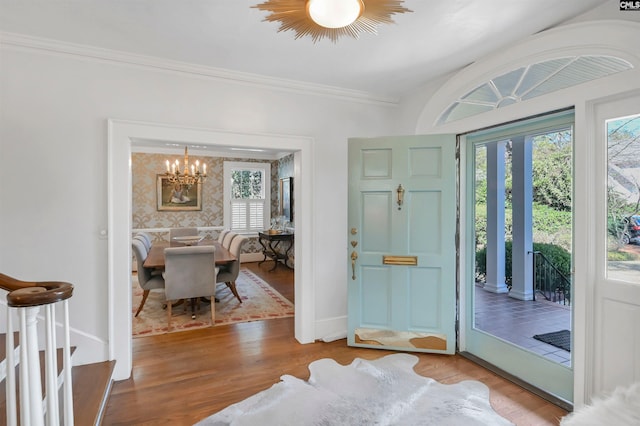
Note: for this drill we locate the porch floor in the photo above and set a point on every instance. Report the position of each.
(517, 321)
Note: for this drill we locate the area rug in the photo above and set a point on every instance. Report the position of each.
(620, 408)
(386, 391)
(560, 339)
(259, 302)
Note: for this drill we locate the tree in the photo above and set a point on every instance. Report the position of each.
(623, 189)
(552, 170)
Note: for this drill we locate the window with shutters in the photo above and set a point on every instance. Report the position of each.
(247, 191)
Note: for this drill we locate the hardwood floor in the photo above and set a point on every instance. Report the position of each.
(181, 378)
(280, 278)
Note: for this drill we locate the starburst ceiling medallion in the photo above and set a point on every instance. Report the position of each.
(331, 18)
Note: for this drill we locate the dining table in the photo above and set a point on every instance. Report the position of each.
(155, 257)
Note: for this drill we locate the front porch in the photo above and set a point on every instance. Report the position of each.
(517, 321)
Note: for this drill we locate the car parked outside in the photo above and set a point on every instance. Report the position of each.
(632, 230)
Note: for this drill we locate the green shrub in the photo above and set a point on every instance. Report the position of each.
(620, 256)
(560, 258)
(548, 224)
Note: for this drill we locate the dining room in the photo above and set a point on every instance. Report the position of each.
(247, 194)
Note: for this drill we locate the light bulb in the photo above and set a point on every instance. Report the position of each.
(334, 13)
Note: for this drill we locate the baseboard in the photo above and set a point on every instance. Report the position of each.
(251, 257)
(331, 329)
(566, 405)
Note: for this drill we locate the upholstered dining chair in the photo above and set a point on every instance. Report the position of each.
(182, 232)
(226, 242)
(145, 241)
(222, 234)
(229, 275)
(190, 273)
(145, 238)
(146, 278)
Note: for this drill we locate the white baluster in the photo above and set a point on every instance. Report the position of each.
(51, 366)
(66, 353)
(12, 416)
(30, 384)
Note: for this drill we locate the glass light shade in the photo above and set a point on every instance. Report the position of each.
(334, 13)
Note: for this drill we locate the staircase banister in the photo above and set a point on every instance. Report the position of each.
(34, 293)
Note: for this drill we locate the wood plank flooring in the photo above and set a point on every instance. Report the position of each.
(181, 378)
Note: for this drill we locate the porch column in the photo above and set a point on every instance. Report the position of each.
(495, 281)
(522, 202)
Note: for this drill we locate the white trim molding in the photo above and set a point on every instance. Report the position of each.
(20, 41)
(606, 38)
(121, 134)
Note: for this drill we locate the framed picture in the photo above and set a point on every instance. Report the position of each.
(286, 191)
(176, 197)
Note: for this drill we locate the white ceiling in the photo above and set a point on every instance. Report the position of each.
(438, 37)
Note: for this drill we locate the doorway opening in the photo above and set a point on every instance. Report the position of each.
(121, 137)
(519, 303)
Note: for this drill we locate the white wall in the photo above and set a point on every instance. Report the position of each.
(54, 108)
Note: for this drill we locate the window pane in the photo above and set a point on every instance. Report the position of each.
(623, 198)
(247, 184)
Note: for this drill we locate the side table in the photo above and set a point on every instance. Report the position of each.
(270, 242)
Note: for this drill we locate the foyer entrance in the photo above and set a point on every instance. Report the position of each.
(518, 304)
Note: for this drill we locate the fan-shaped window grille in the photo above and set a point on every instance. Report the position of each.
(531, 81)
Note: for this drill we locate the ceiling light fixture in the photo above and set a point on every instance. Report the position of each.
(190, 175)
(334, 13)
(331, 18)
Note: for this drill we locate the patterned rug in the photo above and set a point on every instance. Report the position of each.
(259, 302)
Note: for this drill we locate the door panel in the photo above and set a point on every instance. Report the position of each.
(424, 210)
(500, 326)
(424, 309)
(375, 302)
(402, 276)
(615, 279)
(376, 221)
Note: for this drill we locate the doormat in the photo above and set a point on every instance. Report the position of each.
(560, 339)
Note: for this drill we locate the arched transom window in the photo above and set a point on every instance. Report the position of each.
(531, 81)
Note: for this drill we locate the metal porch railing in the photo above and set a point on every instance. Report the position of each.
(549, 281)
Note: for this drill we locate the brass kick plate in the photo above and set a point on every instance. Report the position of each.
(400, 260)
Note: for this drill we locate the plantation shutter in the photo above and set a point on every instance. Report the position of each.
(247, 196)
(247, 214)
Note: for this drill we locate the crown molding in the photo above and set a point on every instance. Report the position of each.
(21, 41)
(211, 152)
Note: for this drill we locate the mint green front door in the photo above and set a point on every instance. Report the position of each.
(402, 249)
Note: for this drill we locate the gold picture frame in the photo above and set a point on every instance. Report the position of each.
(169, 196)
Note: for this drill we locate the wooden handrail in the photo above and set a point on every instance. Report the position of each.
(34, 293)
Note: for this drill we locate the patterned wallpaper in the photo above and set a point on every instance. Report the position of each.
(145, 168)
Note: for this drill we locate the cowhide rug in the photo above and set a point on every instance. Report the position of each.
(621, 408)
(382, 392)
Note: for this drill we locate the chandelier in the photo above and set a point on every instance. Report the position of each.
(189, 175)
(331, 18)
